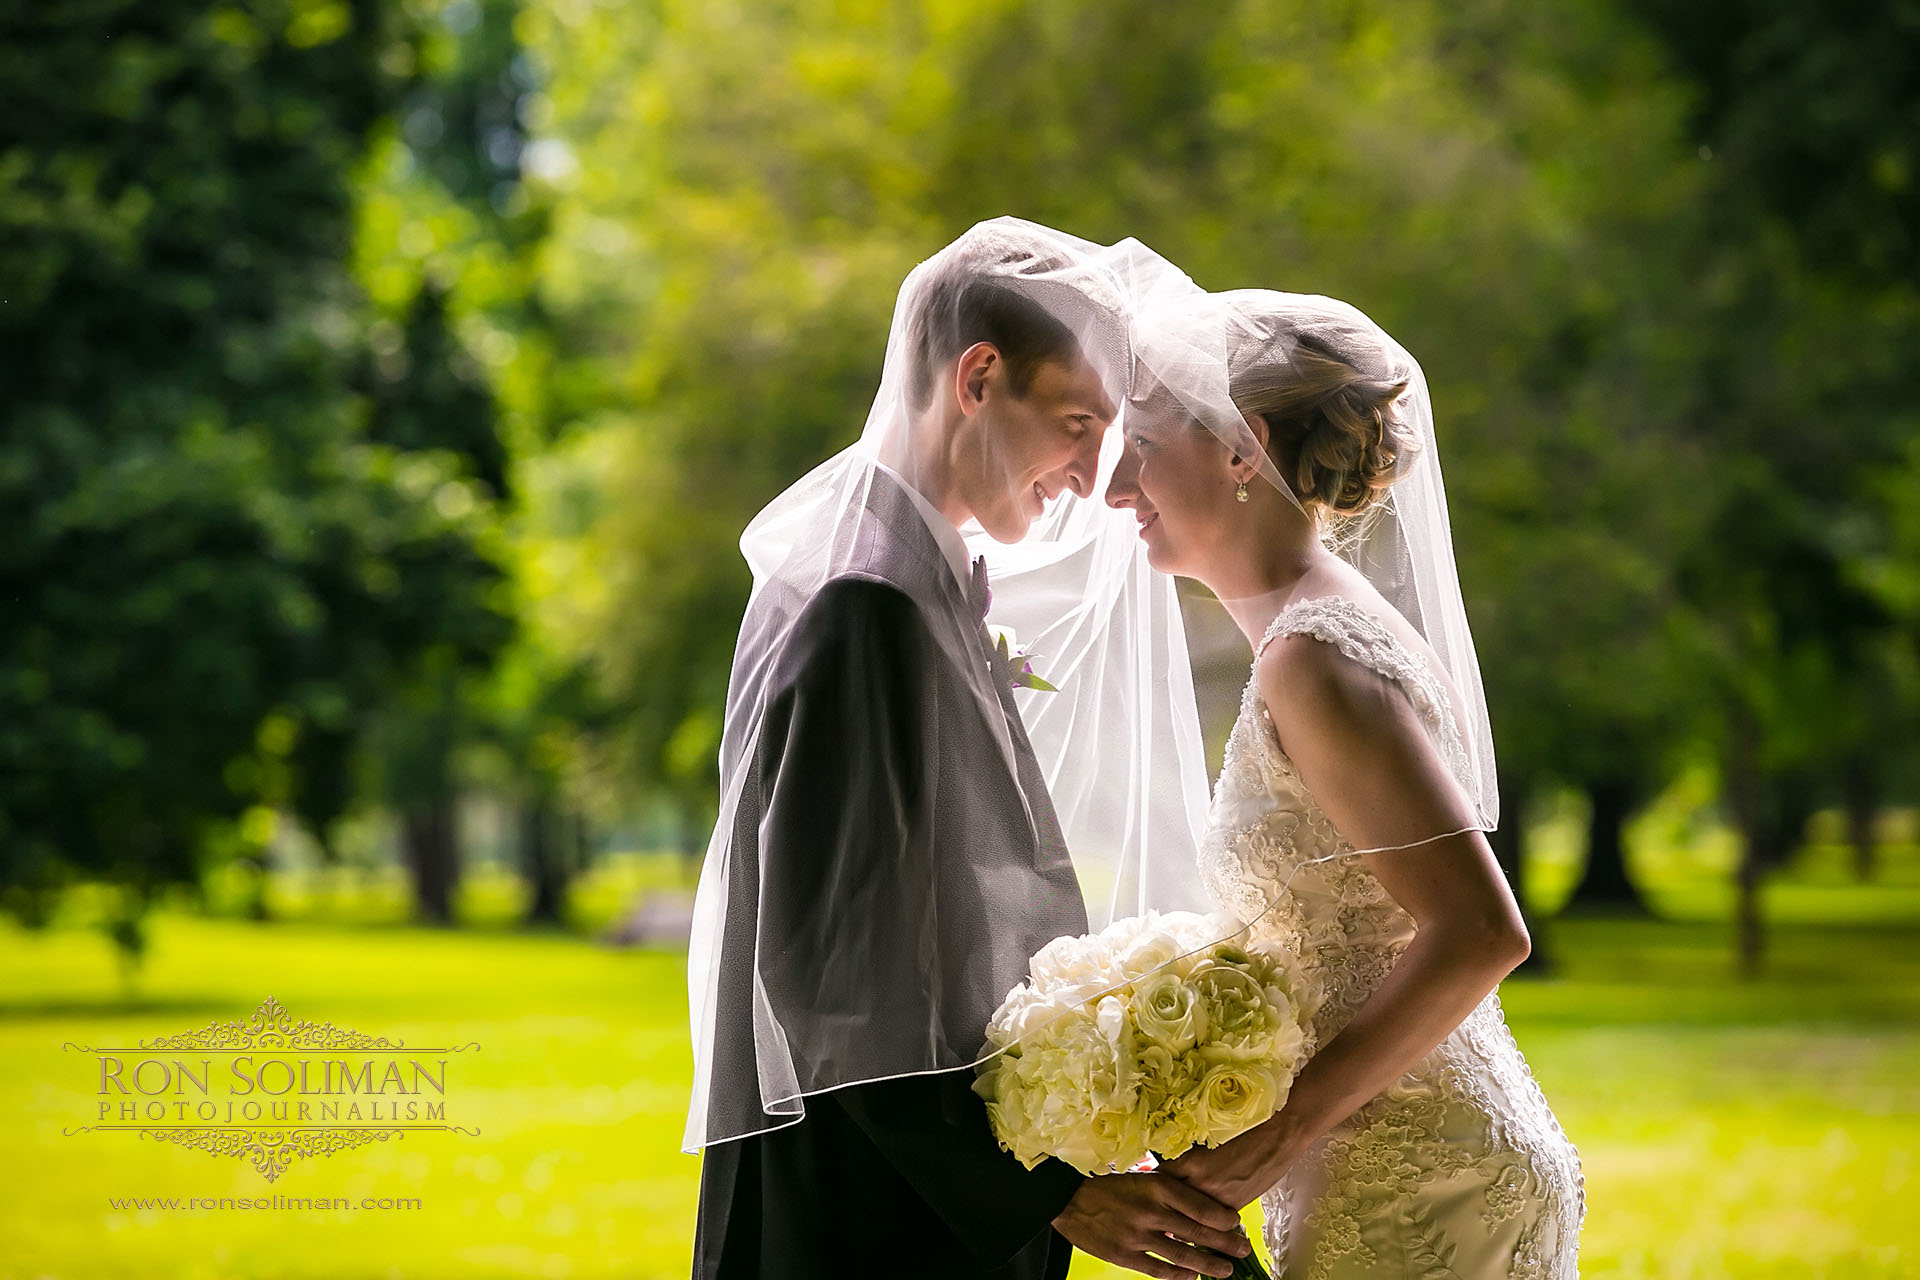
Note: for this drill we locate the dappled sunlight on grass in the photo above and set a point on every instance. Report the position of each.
(578, 1091)
(1728, 1128)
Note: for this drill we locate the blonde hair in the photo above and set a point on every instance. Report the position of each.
(1332, 402)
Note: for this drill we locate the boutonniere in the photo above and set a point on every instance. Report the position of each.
(1019, 660)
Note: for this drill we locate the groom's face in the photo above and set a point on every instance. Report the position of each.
(1031, 445)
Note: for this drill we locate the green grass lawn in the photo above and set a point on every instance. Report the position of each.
(1765, 1128)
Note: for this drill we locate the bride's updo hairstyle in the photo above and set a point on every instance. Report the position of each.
(1332, 399)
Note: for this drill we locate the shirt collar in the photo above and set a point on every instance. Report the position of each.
(952, 545)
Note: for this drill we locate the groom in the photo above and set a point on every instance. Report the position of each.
(879, 773)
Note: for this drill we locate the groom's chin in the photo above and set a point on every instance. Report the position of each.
(1017, 531)
(1006, 526)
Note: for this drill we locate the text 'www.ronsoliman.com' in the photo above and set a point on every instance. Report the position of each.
(264, 1202)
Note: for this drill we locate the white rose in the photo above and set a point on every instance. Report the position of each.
(1168, 1011)
(1239, 1012)
(1234, 1097)
(1149, 950)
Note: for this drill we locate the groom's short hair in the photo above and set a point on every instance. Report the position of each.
(1033, 300)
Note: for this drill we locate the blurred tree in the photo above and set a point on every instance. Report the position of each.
(1812, 110)
(1624, 334)
(1806, 311)
(1494, 183)
(731, 188)
(538, 718)
(747, 189)
(212, 572)
(450, 240)
(425, 394)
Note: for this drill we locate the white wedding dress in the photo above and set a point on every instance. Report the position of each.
(1459, 1168)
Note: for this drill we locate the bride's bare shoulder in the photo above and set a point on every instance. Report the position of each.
(1316, 688)
(1329, 657)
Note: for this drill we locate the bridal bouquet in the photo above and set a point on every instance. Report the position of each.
(1143, 1039)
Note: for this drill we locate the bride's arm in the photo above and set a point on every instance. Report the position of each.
(1360, 750)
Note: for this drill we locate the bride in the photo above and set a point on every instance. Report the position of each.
(1350, 815)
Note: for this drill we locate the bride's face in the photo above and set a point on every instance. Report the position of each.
(1174, 476)
(1032, 446)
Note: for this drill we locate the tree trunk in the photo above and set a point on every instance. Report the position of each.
(1770, 835)
(433, 859)
(693, 844)
(1744, 791)
(127, 926)
(1863, 812)
(1749, 926)
(1771, 808)
(543, 862)
(1509, 843)
(580, 837)
(258, 909)
(1605, 885)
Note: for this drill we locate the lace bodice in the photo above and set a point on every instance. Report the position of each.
(1269, 843)
(1469, 1110)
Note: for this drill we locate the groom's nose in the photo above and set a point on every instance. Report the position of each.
(1083, 469)
(1123, 486)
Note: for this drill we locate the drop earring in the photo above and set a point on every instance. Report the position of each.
(1240, 492)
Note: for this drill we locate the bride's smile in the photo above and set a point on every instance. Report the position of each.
(1177, 479)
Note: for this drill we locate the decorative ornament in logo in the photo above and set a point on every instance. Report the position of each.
(271, 1089)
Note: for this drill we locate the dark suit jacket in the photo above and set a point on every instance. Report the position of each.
(896, 1179)
(876, 766)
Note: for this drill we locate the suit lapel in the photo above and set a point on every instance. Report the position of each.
(910, 558)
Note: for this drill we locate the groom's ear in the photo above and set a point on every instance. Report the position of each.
(978, 365)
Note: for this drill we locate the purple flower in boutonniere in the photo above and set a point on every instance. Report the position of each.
(1019, 660)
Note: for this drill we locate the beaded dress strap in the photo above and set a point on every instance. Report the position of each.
(1359, 635)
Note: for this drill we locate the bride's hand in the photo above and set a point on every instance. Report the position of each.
(1239, 1171)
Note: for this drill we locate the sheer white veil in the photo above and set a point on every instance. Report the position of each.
(891, 959)
(1402, 543)
(1121, 743)
(1118, 743)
